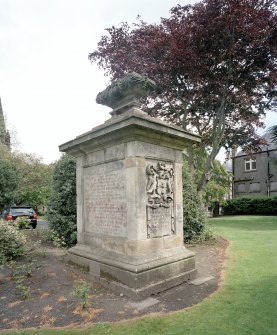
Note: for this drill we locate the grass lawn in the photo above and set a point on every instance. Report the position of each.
(246, 304)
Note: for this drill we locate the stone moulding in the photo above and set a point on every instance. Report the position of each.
(132, 125)
(129, 196)
(140, 280)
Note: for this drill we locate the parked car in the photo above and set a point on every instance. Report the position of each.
(13, 212)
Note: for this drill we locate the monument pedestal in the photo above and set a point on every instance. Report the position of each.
(129, 203)
(133, 278)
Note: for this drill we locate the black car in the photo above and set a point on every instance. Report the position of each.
(13, 212)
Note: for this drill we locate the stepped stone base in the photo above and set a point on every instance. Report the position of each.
(129, 199)
(137, 280)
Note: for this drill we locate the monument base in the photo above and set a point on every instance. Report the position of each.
(135, 279)
(129, 195)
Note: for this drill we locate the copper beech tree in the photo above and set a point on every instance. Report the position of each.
(214, 64)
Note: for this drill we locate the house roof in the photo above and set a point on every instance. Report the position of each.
(269, 146)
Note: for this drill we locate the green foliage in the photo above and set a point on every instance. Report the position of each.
(22, 271)
(213, 63)
(218, 186)
(42, 235)
(4, 133)
(12, 242)
(248, 205)
(217, 180)
(244, 305)
(62, 205)
(25, 179)
(35, 180)
(193, 211)
(22, 223)
(81, 291)
(56, 240)
(9, 179)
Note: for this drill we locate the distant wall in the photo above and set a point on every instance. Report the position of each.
(261, 181)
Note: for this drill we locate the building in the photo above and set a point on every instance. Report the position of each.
(255, 174)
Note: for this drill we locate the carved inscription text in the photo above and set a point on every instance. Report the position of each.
(104, 200)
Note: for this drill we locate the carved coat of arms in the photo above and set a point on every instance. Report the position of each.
(160, 196)
(159, 185)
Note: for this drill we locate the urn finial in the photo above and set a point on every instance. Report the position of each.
(125, 93)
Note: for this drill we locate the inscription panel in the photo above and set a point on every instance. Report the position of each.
(160, 199)
(105, 211)
(147, 149)
(160, 221)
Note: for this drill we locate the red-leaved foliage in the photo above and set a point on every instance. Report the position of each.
(214, 64)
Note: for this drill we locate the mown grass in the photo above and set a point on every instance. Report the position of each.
(246, 303)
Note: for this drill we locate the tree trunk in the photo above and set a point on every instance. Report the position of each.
(219, 127)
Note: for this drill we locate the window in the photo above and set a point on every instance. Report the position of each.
(250, 164)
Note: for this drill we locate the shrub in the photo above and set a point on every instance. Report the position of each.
(12, 242)
(248, 205)
(62, 206)
(81, 291)
(193, 210)
(22, 223)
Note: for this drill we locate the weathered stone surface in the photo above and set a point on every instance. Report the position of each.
(95, 157)
(139, 129)
(160, 199)
(146, 303)
(201, 280)
(129, 205)
(105, 210)
(126, 92)
(144, 149)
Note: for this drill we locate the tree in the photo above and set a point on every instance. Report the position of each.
(62, 205)
(218, 186)
(9, 179)
(34, 178)
(214, 64)
(5, 138)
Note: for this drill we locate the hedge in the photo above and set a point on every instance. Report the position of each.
(195, 228)
(248, 205)
(61, 212)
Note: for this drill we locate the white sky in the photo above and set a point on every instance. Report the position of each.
(47, 84)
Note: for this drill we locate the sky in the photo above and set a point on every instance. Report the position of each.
(47, 84)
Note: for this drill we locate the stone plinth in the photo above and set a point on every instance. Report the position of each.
(129, 203)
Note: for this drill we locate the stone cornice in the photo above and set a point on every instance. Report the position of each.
(132, 125)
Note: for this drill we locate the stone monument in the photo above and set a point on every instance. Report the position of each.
(129, 195)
